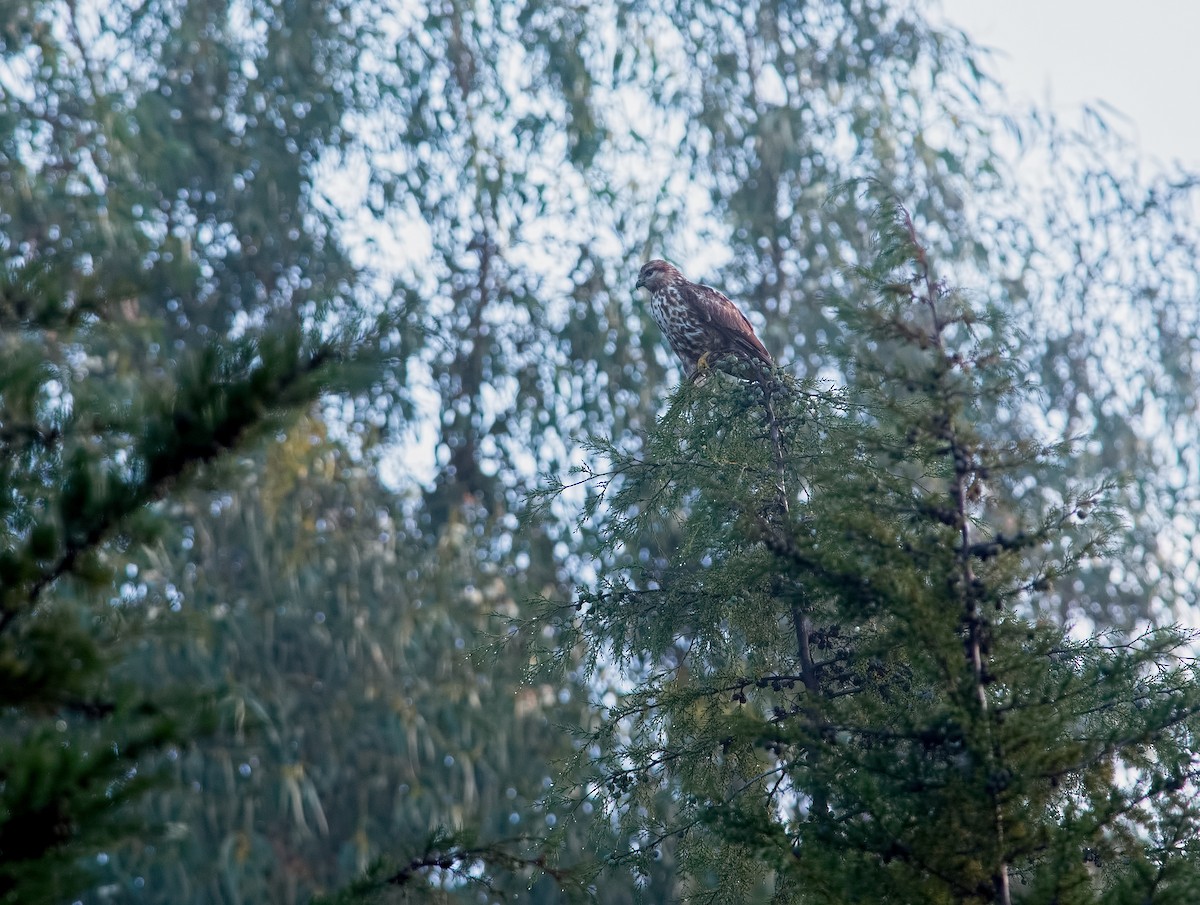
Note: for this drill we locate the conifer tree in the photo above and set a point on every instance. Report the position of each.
(824, 606)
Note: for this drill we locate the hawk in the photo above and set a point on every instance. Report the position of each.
(700, 324)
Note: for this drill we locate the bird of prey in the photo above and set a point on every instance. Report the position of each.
(700, 324)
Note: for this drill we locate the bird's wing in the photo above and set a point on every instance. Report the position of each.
(728, 318)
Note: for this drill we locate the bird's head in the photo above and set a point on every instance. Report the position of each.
(654, 274)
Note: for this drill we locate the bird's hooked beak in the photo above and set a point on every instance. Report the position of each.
(639, 284)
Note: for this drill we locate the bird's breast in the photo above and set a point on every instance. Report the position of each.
(660, 308)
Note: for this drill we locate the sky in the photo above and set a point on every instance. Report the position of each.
(1141, 59)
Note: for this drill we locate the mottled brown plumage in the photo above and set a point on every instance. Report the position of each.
(700, 324)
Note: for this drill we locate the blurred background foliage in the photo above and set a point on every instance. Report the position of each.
(485, 177)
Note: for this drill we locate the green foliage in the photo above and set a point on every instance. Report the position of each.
(838, 680)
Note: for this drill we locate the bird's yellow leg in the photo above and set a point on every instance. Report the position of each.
(700, 372)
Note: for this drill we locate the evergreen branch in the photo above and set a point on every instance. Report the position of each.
(177, 443)
(1021, 540)
(93, 709)
(784, 546)
(29, 434)
(1114, 744)
(459, 860)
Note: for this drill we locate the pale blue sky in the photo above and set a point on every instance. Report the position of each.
(1143, 59)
